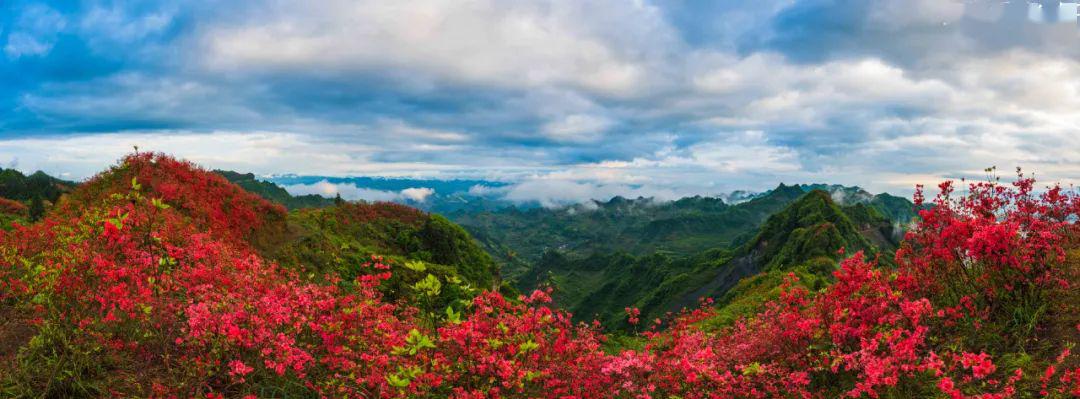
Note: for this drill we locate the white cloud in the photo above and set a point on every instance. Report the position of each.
(351, 192)
(401, 129)
(118, 25)
(577, 128)
(857, 121)
(481, 190)
(570, 99)
(20, 44)
(34, 31)
(347, 191)
(606, 47)
(260, 152)
(763, 89)
(914, 14)
(418, 194)
(748, 152)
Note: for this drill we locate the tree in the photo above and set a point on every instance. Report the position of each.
(37, 208)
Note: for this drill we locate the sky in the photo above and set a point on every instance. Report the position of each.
(560, 98)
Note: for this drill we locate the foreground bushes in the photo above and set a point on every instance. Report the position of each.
(139, 290)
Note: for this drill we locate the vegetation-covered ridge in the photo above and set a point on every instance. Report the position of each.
(274, 192)
(519, 238)
(337, 238)
(134, 287)
(803, 237)
(15, 185)
(26, 198)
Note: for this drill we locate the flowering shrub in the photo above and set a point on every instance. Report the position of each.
(167, 303)
(988, 263)
(210, 202)
(148, 282)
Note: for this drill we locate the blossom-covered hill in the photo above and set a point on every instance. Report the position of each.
(160, 279)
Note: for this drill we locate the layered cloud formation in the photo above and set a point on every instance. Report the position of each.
(563, 98)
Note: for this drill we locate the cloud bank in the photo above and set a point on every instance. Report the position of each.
(566, 99)
(352, 192)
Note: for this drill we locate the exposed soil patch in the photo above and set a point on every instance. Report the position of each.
(15, 332)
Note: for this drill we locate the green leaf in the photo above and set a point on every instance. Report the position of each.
(38, 299)
(752, 369)
(403, 377)
(531, 375)
(415, 342)
(119, 224)
(397, 382)
(429, 286)
(157, 202)
(416, 265)
(452, 316)
(528, 346)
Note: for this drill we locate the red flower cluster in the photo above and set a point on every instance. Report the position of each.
(156, 278)
(211, 202)
(633, 315)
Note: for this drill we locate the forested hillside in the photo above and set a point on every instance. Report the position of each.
(661, 256)
(804, 237)
(159, 279)
(26, 198)
(14, 185)
(520, 237)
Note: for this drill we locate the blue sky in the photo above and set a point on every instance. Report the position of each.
(562, 98)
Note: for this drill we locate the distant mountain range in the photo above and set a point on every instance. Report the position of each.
(468, 195)
(662, 256)
(642, 225)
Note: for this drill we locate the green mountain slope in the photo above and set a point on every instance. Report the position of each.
(520, 238)
(274, 192)
(14, 185)
(813, 227)
(331, 235)
(803, 238)
(36, 192)
(338, 240)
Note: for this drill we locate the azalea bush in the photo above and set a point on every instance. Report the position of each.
(151, 280)
(981, 304)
